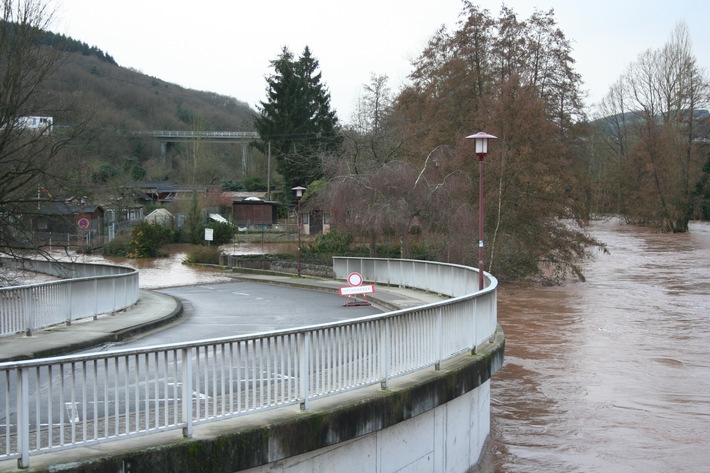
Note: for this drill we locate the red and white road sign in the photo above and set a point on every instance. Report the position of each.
(354, 279)
(356, 286)
(355, 290)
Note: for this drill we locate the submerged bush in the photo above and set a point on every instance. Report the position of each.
(222, 233)
(148, 238)
(204, 255)
(119, 246)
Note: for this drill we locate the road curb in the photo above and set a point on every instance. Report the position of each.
(55, 342)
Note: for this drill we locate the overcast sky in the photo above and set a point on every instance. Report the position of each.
(225, 46)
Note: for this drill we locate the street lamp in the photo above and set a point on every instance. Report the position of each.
(83, 228)
(481, 139)
(299, 193)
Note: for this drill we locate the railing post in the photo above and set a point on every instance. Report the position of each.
(439, 338)
(70, 315)
(96, 299)
(23, 417)
(113, 289)
(29, 312)
(186, 355)
(304, 349)
(473, 318)
(385, 348)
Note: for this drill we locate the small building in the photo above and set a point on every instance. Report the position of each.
(251, 211)
(39, 124)
(164, 193)
(160, 217)
(68, 223)
(315, 222)
(70, 216)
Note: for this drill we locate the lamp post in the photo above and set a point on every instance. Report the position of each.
(83, 229)
(299, 193)
(481, 139)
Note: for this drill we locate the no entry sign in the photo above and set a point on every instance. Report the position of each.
(354, 279)
(356, 288)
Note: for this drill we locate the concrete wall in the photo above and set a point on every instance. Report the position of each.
(447, 438)
(427, 421)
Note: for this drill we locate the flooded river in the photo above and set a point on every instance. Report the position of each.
(613, 374)
(171, 271)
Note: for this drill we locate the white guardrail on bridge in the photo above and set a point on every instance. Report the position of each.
(74, 401)
(225, 135)
(85, 290)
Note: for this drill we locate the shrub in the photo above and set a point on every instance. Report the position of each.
(204, 254)
(119, 246)
(325, 246)
(333, 243)
(147, 239)
(223, 232)
(255, 184)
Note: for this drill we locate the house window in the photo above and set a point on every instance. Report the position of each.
(41, 224)
(304, 219)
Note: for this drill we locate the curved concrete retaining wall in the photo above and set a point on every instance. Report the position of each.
(425, 422)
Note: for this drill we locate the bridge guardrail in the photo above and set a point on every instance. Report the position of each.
(200, 134)
(76, 401)
(86, 290)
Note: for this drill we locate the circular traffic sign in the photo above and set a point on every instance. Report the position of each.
(354, 279)
(83, 223)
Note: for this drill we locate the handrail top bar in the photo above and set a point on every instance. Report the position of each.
(260, 335)
(60, 281)
(130, 271)
(226, 339)
(491, 286)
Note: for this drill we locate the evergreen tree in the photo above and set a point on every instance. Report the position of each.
(297, 120)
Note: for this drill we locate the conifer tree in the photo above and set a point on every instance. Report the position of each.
(297, 119)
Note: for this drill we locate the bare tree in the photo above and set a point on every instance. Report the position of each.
(652, 119)
(30, 151)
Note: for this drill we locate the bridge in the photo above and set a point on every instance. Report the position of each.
(417, 376)
(211, 136)
(168, 137)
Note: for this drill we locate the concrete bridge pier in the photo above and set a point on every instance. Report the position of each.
(166, 153)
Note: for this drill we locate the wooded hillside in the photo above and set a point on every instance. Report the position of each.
(113, 102)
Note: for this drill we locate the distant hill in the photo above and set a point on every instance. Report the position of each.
(71, 45)
(702, 116)
(128, 99)
(117, 101)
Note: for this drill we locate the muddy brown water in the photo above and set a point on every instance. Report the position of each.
(171, 271)
(612, 374)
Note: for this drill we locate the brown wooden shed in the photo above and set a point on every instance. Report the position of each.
(254, 211)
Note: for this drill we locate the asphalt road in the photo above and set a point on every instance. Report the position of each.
(243, 307)
(210, 311)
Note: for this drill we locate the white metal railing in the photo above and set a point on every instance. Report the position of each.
(252, 135)
(86, 290)
(65, 402)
